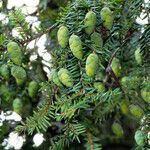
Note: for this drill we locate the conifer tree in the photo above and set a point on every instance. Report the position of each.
(98, 93)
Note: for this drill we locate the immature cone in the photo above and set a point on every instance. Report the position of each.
(6, 93)
(117, 129)
(97, 41)
(65, 77)
(15, 53)
(90, 22)
(4, 71)
(55, 78)
(145, 93)
(108, 23)
(140, 138)
(76, 46)
(99, 87)
(17, 105)
(136, 111)
(33, 88)
(131, 82)
(63, 36)
(138, 56)
(116, 67)
(107, 17)
(124, 107)
(19, 74)
(91, 65)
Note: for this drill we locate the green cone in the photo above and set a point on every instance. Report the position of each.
(17, 105)
(91, 65)
(117, 129)
(90, 22)
(55, 78)
(99, 87)
(15, 53)
(19, 74)
(145, 93)
(138, 56)
(6, 93)
(136, 111)
(124, 107)
(107, 17)
(65, 77)
(116, 67)
(131, 82)
(4, 71)
(97, 41)
(76, 46)
(33, 88)
(63, 36)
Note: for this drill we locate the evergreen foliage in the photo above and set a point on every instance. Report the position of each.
(98, 92)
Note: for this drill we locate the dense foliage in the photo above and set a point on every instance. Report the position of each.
(98, 93)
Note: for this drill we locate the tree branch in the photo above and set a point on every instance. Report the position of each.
(109, 70)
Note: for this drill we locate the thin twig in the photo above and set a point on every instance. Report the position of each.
(109, 70)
